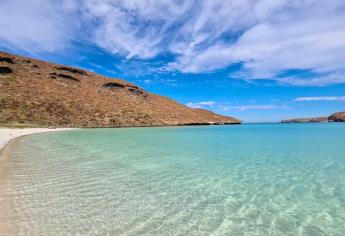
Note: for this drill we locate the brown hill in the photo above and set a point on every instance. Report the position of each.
(37, 93)
(337, 117)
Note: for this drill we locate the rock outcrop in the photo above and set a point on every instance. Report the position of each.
(38, 93)
(337, 117)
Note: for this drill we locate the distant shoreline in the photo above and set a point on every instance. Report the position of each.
(8, 134)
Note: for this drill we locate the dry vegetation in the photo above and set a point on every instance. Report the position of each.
(40, 94)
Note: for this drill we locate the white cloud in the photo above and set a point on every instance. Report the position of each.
(330, 79)
(201, 104)
(330, 98)
(267, 36)
(225, 106)
(251, 107)
(136, 28)
(304, 35)
(35, 25)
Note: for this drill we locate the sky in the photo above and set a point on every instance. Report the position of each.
(257, 60)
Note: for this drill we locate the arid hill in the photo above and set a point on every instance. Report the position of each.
(337, 117)
(37, 93)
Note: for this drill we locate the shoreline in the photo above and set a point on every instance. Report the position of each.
(7, 134)
(5, 226)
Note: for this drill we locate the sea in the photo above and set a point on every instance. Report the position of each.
(250, 179)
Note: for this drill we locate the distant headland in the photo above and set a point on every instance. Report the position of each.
(336, 117)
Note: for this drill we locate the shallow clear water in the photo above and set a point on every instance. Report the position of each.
(263, 179)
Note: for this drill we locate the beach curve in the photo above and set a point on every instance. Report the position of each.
(6, 135)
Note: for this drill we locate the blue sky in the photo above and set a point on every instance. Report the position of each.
(258, 60)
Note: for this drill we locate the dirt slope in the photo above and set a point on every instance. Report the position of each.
(37, 93)
(337, 117)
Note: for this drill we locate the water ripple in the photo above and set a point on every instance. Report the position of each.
(248, 180)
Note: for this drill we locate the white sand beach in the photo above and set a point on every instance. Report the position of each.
(6, 134)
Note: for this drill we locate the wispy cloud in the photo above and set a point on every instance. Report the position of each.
(225, 106)
(252, 107)
(318, 81)
(36, 25)
(167, 82)
(308, 99)
(280, 35)
(201, 104)
(265, 36)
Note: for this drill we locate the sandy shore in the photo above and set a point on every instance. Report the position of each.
(6, 134)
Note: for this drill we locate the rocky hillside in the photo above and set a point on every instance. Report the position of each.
(336, 117)
(37, 93)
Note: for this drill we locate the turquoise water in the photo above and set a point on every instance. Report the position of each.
(265, 179)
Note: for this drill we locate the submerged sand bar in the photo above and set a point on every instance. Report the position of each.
(6, 134)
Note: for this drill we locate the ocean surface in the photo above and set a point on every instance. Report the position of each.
(255, 179)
